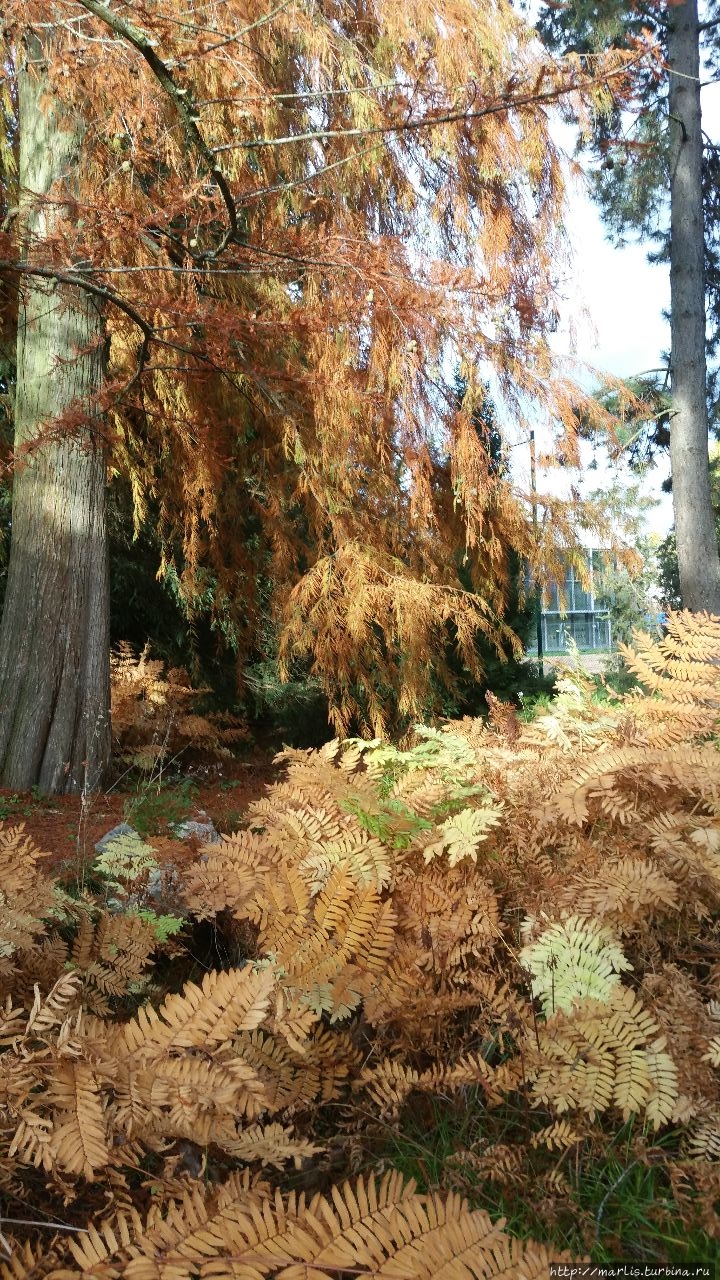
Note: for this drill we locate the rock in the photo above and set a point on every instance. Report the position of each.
(204, 831)
(123, 830)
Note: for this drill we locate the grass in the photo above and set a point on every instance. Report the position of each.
(615, 1206)
(158, 804)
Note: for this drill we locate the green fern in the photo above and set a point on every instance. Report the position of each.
(573, 960)
(123, 860)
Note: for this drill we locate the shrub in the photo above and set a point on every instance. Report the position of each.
(517, 916)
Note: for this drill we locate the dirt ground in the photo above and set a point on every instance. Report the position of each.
(66, 829)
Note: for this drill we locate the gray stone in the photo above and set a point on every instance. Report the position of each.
(123, 829)
(205, 832)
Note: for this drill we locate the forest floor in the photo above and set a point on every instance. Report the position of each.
(67, 828)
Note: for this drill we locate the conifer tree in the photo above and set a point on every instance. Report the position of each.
(284, 221)
(664, 151)
(54, 641)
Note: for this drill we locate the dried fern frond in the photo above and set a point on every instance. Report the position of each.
(613, 782)
(602, 1055)
(624, 892)
(26, 899)
(153, 712)
(681, 667)
(374, 1228)
(224, 1003)
(79, 1141)
(558, 1136)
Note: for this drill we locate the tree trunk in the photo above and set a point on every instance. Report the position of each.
(697, 548)
(54, 636)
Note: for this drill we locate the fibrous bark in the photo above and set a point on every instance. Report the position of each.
(697, 547)
(54, 638)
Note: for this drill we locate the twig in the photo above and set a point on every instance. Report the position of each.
(48, 1226)
(429, 122)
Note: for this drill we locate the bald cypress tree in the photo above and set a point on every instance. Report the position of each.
(223, 299)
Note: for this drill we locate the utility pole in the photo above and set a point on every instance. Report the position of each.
(538, 589)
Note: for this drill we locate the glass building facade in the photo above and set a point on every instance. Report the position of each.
(577, 610)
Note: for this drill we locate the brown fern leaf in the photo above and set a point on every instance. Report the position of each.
(349, 936)
(271, 1145)
(225, 1003)
(13, 1021)
(558, 1136)
(368, 860)
(26, 1263)
(504, 718)
(448, 918)
(33, 1139)
(611, 781)
(230, 874)
(153, 713)
(682, 667)
(79, 1141)
(603, 1055)
(27, 896)
(190, 1097)
(626, 891)
(288, 1079)
(395, 1235)
(111, 955)
(686, 1020)
(400, 986)
(379, 1229)
(688, 845)
(50, 1012)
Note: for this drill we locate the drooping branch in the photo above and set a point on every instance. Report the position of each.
(149, 332)
(507, 104)
(98, 291)
(186, 110)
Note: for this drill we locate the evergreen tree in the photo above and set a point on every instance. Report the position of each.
(636, 164)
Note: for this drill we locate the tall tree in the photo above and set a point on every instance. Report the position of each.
(638, 163)
(245, 204)
(697, 547)
(54, 640)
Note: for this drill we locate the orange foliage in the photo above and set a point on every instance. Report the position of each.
(522, 917)
(297, 217)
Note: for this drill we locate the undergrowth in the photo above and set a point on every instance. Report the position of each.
(463, 1013)
(158, 715)
(158, 804)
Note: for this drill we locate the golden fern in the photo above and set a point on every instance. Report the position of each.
(375, 1228)
(153, 712)
(222, 1005)
(602, 1055)
(681, 673)
(379, 978)
(26, 899)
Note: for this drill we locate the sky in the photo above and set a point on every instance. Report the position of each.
(613, 320)
(612, 315)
